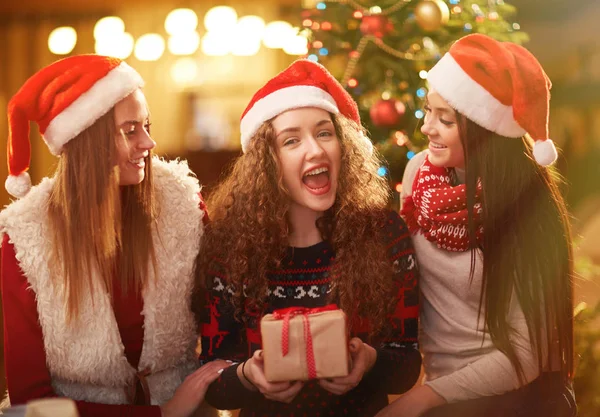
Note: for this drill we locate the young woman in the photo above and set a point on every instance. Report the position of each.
(301, 220)
(97, 262)
(492, 237)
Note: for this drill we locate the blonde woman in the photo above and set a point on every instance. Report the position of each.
(97, 261)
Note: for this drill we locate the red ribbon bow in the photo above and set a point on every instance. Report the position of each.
(286, 314)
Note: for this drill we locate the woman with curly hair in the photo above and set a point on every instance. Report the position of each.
(301, 220)
(492, 236)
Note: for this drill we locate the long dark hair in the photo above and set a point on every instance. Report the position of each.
(527, 244)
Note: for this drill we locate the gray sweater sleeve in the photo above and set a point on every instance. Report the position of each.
(493, 373)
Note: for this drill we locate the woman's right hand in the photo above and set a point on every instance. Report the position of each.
(253, 373)
(191, 392)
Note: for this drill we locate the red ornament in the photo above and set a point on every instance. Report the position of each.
(376, 25)
(387, 113)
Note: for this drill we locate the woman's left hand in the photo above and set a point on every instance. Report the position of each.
(192, 390)
(414, 403)
(363, 358)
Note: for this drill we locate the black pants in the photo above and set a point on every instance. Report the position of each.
(547, 396)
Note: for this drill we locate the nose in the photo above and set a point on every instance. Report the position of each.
(427, 129)
(315, 149)
(146, 142)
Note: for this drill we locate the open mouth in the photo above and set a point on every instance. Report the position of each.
(433, 145)
(139, 162)
(317, 180)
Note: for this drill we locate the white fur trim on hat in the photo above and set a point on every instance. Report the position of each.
(18, 185)
(91, 105)
(280, 101)
(472, 100)
(544, 152)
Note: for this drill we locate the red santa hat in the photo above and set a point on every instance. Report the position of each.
(303, 84)
(500, 86)
(64, 99)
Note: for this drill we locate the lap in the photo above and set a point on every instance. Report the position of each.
(547, 396)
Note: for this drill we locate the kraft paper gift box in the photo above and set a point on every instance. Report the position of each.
(302, 343)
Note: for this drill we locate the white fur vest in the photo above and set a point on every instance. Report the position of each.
(87, 361)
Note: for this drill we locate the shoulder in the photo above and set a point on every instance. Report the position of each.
(395, 227)
(30, 209)
(174, 172)
(176, 185)
(411, 171)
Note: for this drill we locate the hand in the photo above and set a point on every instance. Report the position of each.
(192, 390)
(363, 358)
(284, 392)
(414, 403)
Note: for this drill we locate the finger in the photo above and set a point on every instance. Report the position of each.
(337, 389)
(353, 378)
(288, 395)
(261, 382)
(209, 378)
(258, 356)
(210, 369)
(207, 374)
(355, 344)
(276, 387)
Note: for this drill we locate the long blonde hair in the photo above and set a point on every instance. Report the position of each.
(100, 231)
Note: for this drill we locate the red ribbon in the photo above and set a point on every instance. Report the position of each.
(286, 314)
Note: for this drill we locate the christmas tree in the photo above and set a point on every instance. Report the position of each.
(381, 50)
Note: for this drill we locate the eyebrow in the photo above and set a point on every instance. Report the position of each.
(297, 129)
(133, 122)
(446, 110)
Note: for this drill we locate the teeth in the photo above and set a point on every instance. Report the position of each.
(316, 171)
(136, 161)
(436, 145)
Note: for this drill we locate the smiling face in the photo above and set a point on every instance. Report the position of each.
(309, 155)
(441, 128)
(134, 144)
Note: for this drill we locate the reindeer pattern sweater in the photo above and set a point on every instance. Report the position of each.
(304, 280)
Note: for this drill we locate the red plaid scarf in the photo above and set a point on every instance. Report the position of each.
(439, 210)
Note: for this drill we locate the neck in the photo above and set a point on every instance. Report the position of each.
(303, 222)
(460, 175)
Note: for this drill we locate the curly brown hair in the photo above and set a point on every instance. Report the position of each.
(248, 233)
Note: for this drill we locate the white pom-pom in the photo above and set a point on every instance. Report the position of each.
(18, 185)
(544, 152)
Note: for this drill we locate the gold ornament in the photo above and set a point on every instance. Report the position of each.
(431, 15)
(353, 24)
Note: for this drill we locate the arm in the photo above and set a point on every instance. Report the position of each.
(409, 174)
(222, 339)
(493, 374)
(27, 375)
(398, 362)
(395, 365)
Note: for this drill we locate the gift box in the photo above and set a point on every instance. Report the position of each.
(303, 343)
